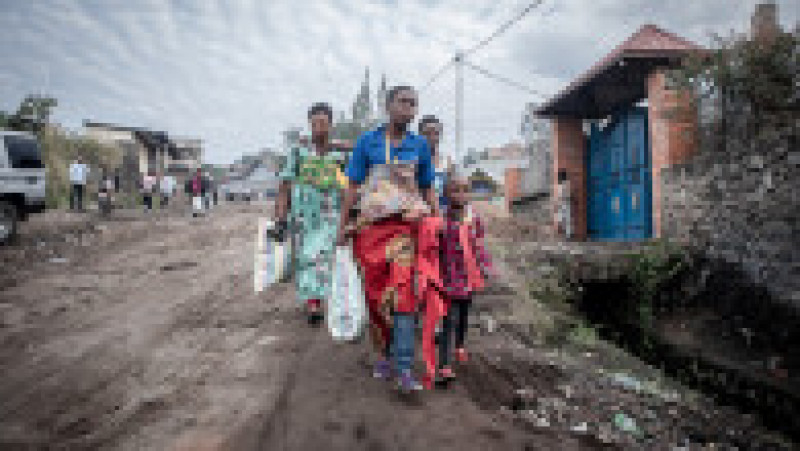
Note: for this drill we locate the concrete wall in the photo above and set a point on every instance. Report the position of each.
(740, 206)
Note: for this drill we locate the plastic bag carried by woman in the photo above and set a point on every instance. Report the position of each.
(346, 312)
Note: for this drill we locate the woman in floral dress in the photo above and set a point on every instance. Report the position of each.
(311, 192)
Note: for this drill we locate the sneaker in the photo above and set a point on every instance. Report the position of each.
(315, 315)
(407, 384)
(315, 319)
(382, 370)
(444, 377)
(447, 373)
(461, 355)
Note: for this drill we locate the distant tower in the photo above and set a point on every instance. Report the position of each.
(381, 116)
(366, 104)
(362, 108)
(764, 22)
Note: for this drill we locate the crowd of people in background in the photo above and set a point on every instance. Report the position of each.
(153, 188)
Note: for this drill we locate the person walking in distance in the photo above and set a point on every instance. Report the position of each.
(78, 173)
(564, 203)
(105, 192)
(149, 182)
(167, 188)
(197, 193)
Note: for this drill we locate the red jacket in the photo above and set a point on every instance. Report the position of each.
(197, 185)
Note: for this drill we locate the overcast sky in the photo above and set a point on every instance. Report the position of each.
(237, 73)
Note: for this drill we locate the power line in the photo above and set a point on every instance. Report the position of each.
(504, 27)
(502, 79)
(438, 74)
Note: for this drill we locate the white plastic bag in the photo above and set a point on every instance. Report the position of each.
(272, 258)
(346, 312)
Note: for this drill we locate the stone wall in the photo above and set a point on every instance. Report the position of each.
(738, 205)
(536, 209)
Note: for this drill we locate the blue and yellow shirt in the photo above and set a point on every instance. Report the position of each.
(370, 150)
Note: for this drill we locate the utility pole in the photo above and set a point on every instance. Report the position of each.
(459, 62)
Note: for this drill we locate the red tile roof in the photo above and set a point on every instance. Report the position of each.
(648, 40)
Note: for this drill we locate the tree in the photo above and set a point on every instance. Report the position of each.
(749, 83)
(32, 114)
(60, 149)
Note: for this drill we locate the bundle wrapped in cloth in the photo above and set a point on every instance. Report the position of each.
(391, 191)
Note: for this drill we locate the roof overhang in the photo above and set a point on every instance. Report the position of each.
(621, 81)
(150, 139)
(620, 78)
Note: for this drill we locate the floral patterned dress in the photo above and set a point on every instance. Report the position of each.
(315, 205)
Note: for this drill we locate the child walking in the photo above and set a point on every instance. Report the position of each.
(465, 267)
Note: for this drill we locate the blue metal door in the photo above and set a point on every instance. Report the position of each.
(619, 188)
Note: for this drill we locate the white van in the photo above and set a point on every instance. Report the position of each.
(22, 180)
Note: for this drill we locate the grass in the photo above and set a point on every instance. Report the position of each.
(583, 335)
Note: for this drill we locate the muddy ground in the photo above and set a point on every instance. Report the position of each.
(143, 332)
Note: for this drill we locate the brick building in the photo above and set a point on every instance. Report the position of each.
(614, 129)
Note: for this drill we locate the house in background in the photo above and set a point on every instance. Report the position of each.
(536, 135)
(186, 156)
(528, 184)
(144, 151)
(613, 130)
(493, 168)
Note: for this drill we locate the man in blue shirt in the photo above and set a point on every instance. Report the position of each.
(385, 242)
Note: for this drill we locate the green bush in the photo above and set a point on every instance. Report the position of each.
(750, 83)
(649, 270)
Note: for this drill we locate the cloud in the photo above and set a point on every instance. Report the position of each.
(237, 73)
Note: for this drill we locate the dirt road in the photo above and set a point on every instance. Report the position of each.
(143, 332)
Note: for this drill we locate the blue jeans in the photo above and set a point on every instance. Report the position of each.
(403, 342)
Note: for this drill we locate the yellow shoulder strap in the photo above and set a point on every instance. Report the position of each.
(341, 179)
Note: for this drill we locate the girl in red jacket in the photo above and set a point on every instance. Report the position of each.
(465, 267)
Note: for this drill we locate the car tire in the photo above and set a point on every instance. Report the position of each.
(8, 222)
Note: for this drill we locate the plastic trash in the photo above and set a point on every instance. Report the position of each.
(580, 428)
(625, 423)
(626, 381)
